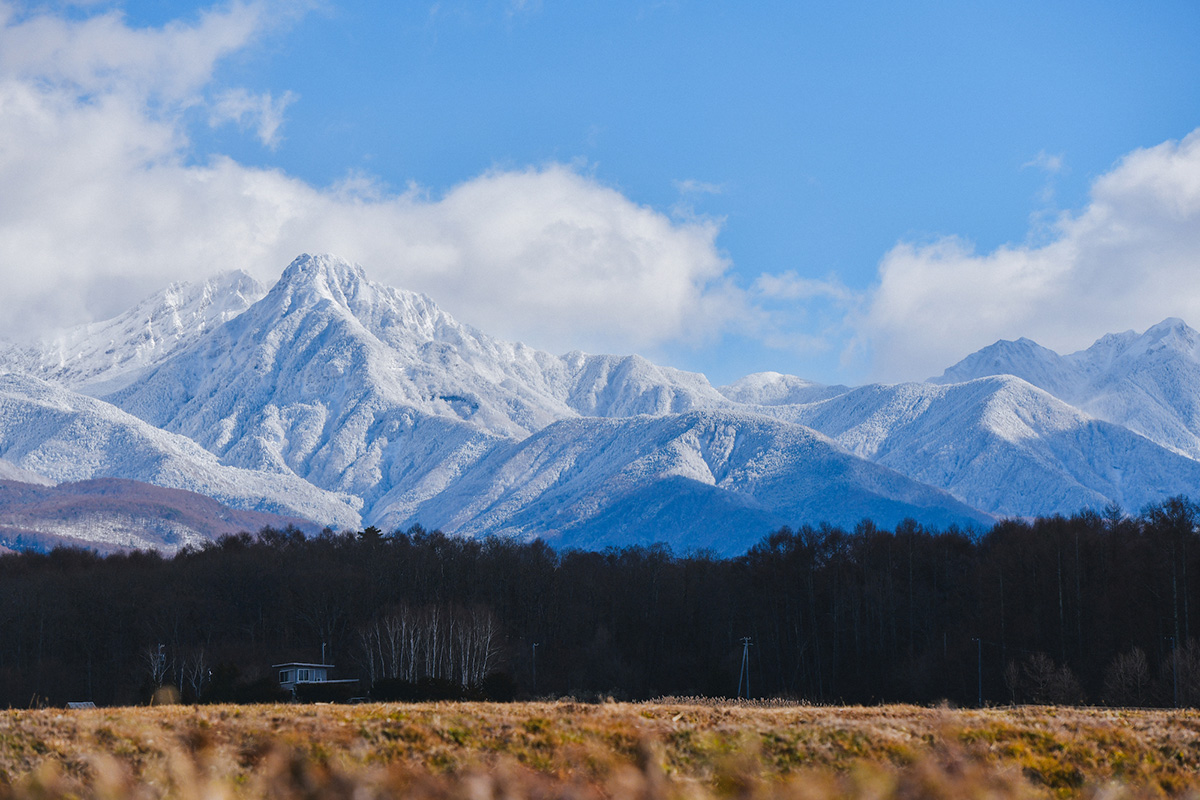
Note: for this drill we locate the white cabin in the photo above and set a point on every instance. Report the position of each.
(295, 672)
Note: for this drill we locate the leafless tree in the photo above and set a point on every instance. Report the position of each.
(197, 672)
(155, 659)
(1012, 679)
(450, 643)
(1127, 679)
(1043, 681)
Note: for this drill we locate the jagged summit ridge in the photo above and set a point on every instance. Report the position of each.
(396, 316)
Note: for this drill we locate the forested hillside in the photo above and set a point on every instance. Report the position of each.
(1060, 609)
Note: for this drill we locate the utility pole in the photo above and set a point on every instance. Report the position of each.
(1174, 667)
(535, 647)
(979, 655)
(745, 673)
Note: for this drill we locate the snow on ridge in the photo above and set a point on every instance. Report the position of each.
(66, 437)
(1002, 445)
(1147, 382)
(564, 480)
(101, 357)
(776, 389)
(11, 472)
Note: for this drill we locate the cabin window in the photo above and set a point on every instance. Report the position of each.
(301, 674)
(283, 676)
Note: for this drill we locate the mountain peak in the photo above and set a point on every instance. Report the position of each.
(324, 270)
(1172, 335)
(311, 282)
(1024, 358)
(101, 357)
(1174, 332)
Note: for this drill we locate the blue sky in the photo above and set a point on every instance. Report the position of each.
(846, 191)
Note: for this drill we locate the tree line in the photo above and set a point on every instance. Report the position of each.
(1095, 608)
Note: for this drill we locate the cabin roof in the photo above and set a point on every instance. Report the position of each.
(301, 664)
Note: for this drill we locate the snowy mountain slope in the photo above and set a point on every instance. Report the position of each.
(1002, 445)
(370, 390)
(625, 386)
(1149, 382)
(713, 479)
(319, 380)
(109, 514)
(1024, 358)
(774, 389)
(376, 392)
(102, 357)
(11, 472)
(65, 436)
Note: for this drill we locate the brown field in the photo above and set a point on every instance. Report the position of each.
(614, 750)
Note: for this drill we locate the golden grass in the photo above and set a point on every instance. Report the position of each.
(614, 750)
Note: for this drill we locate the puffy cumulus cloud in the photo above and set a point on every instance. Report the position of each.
(547, 255)
(103, 203)
(1126, 261)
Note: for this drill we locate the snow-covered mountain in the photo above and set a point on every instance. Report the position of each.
(1149, 382)
(104, 356)
(346, 402)
(377, 392)
(11, 472)
(712, 479)
(1002, 445)
(775, 389)
(65, 436)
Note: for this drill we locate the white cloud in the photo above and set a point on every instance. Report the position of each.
(1127, 261)
(790, 285)
(101, 203)
(692, 186)
(795, 314)
(547, 255)
(245, 109)
(102, 54)
(523, 6)
(1049, 163)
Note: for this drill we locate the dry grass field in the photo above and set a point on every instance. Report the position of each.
(616, 750)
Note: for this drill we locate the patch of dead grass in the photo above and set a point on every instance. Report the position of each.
(613, 750)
